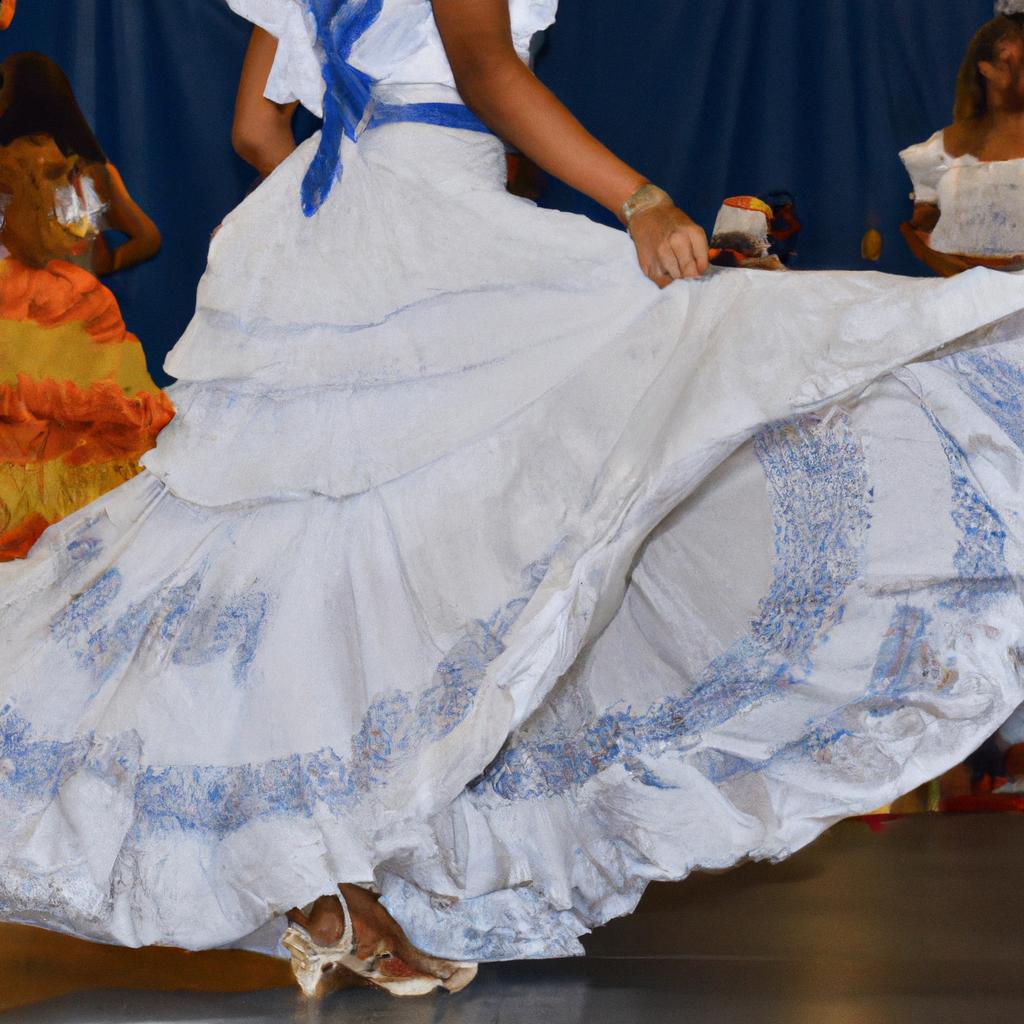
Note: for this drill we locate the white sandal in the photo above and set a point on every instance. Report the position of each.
(311, 961)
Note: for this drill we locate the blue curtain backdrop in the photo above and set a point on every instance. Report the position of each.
(709, 98)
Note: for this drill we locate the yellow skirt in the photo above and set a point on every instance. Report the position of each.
(77, 405)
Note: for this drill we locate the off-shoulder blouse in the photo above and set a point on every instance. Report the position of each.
(981, 202)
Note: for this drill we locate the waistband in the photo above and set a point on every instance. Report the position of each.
(348, 117)
(441, 114)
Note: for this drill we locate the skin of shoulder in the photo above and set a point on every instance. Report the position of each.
(962, 137)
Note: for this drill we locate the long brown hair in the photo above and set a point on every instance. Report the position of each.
(42, 102)
(971, 87)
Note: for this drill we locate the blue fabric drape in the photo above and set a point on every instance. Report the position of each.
(707, 97)
(339, 24)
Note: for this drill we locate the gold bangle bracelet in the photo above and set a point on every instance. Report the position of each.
(643, 198)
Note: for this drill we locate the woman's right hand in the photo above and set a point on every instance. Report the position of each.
(669, 244)
(505, 94)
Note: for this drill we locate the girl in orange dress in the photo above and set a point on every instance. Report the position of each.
(77, 406)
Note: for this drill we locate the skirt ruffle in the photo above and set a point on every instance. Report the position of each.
(510, 597)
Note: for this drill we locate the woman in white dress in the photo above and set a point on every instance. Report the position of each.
(478, 569)
(969, 177)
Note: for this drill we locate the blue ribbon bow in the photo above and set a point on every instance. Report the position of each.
(339, 24)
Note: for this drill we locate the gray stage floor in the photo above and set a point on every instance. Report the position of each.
(924, 922)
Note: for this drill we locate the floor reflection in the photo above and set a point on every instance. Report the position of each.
(920, 922)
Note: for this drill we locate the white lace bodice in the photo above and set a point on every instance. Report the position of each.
(401, 47)
(981, 202)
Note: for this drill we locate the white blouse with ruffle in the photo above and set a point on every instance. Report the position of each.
(402, 47)
(981, 202)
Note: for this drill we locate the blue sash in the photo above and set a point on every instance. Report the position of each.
(347, 89)
(444, 115)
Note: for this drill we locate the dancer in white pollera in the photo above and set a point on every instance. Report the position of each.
(968, 177)
(478, 569)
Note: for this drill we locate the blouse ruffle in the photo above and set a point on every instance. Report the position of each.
(981, 213)
(530, 17)
(295, 74)
(926, 162)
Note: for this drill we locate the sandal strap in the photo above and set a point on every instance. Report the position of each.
(309, 957)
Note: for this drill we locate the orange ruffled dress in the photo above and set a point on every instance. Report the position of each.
(77, 405)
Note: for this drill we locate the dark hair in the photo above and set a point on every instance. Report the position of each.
(43, 103)
(971, 88)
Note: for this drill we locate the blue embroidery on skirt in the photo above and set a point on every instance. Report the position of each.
(980, 558)
(170, 619)
(32, 768)
(83, 545)
(905, 663)
(217, 799)
(215, 629)
(899, 651)
(818, 488)
(997, 386)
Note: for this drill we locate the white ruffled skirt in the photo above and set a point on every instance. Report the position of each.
(477, 568)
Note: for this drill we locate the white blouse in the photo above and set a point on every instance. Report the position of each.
(981, 202)
(401, 47)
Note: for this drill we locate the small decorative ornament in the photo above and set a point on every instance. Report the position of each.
(740, 235)
(871, 245)
(742, 224)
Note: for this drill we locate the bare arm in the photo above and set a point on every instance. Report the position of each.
(948, 264)
(262, 130)
(505, 94)
(925, 217)
(125, 215)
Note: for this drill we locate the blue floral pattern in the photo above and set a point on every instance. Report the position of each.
(172, 618)
(820, 497)
(905, 663)
(83, 545)
(980, 559)
(997, 385)
(217, 799)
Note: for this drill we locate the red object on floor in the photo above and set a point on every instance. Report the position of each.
(984, 803)
(878, 822)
